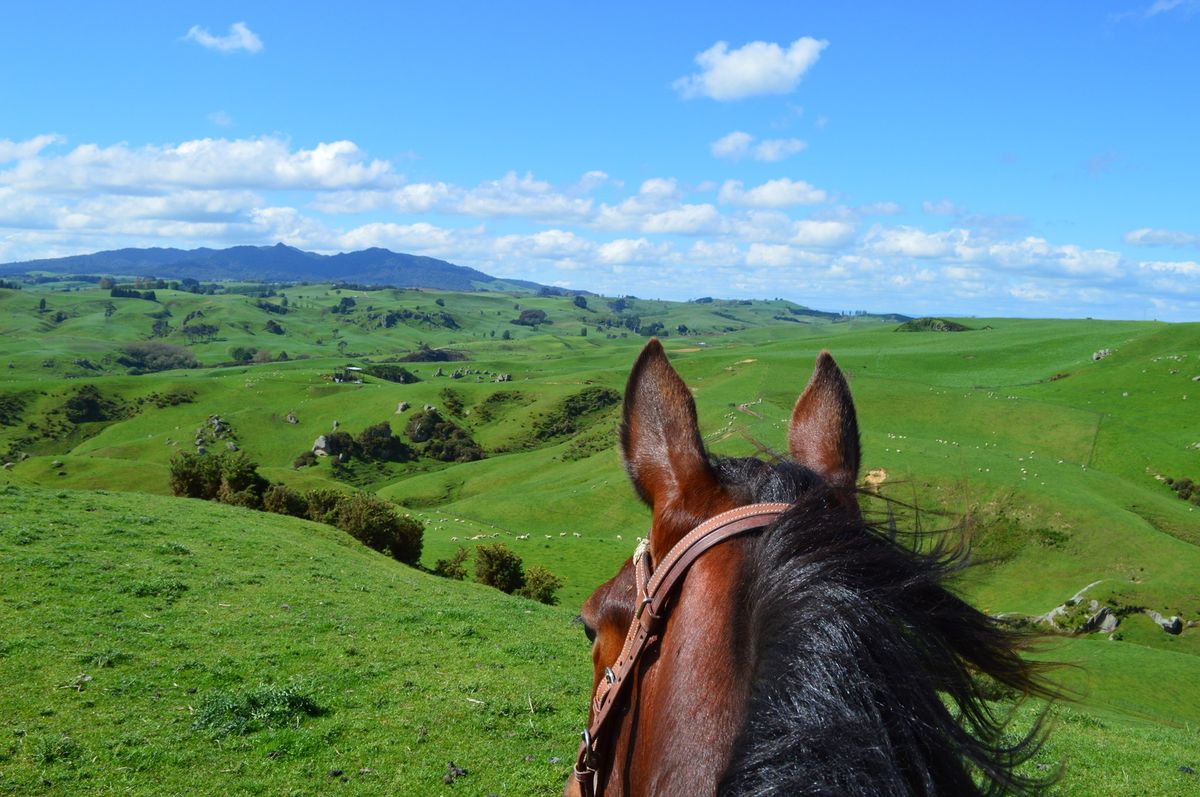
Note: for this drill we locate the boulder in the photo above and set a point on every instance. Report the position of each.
(8, 466)
(232, 446)
(56, 463)
(291, 418)
(1172, 625)
(320, 446)
(201, 450)
(402, 407)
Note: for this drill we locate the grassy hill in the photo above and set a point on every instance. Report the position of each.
(1055, 460)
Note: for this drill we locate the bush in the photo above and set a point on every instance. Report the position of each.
(322, 503)
(239, 474)
(150, 356)
(307, 459)
(377, 442)
(392, 373)
(531, 318)
(374, 522)
(222, 712)
(499, 567)
(243, 354)
(283, 500)
(443, 440)
(421, 425)
(454, 567)
(195, 475)
(540, 585)
(341, 443)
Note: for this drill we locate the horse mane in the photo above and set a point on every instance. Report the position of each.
(869, 674)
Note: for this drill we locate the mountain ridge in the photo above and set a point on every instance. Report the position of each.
(280, 263)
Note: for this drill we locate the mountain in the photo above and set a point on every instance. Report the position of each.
(279, 263)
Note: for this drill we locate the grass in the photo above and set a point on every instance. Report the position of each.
(1010, 422)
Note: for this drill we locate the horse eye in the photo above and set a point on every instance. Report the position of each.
(588, 631)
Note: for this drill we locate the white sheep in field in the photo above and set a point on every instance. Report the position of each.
(562, 534)
(577, 534)
(549, 536)
(454, 539)
(522, 536)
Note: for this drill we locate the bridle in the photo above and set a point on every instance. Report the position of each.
(653, 591)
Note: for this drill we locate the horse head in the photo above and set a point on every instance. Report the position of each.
(799, 652)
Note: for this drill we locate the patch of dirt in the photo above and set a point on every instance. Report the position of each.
(875, 478)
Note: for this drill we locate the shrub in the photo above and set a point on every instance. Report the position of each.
(283, 500)
(421, 425)
(341, 443)
(151, 356)
(499, 567)
(392, 373)
(377, 442)
(443, 440)
(195, 475)
(239, 474)
(540, 585)
(322, 503)
(307, 459)
(374, 522)
(454, 567)
(580, 302)
(243, 354)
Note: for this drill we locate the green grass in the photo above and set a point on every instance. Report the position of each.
(1053, 456)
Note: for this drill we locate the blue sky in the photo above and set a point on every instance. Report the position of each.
(1032, 159)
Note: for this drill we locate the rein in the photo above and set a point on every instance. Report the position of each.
(654, 590)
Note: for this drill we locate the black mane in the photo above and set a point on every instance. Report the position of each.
(866, 668)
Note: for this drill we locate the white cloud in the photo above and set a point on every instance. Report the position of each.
(521, 196)
(1188, 268)
(809, 232)
(1188, 7)
(912, 242)
(736, 145)
(773, 150)
(1150, 237)
(239, 37)
(593, 180)
(632, 251)
(780, 256)
(753, 69)
(21, 150)
(780, 193)
(733, 146)
(943, 207)
(220, 118)
(259, 163)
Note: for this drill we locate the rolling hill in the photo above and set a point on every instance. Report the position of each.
(1056, 461)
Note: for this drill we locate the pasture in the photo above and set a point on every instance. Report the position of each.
(127, 615)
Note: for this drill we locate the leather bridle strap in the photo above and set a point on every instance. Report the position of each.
(653, 593)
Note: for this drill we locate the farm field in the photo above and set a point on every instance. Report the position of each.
(130, 620)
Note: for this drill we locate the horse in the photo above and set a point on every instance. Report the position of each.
(766, 639)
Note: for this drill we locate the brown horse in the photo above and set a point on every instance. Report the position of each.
(796, 648)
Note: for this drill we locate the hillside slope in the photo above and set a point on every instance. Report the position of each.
(132, 629)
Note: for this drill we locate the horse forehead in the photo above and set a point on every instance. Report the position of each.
(781, 480)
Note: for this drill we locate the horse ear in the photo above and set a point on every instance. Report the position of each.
(823, 434)
(664, 455)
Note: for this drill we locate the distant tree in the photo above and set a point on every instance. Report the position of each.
(580, 302)
(109, 309)
(440, 302)
(42, 305)
(200, 332)
(105, 284)
(531, 318)
(377, 442)
(262, 356)
(506, 336)
(274, 327)
(149, 356)
(243, 354)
